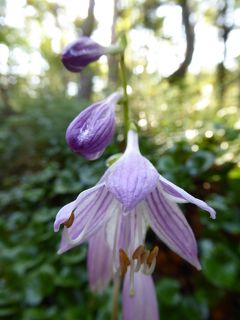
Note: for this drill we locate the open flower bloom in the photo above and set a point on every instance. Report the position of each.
(77, 55)
(114, 216)
(92, 130)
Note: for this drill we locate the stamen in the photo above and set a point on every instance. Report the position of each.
(144, 261)
(137, 265)
(144, 256)
(141, 259)
(152, 267)
(138, 252)
(123, 261)
(153, 254)
(68, 223)
(132, 289)
(137, 256)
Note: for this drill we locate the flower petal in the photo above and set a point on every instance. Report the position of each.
(125, 232)
(171, 226)
(143, 305)
(132, 231)
(179, 195)
(99, 262)
(132, 177)
(90, 217)
(82, 200)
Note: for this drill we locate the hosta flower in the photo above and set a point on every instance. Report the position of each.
(80, 53)
(114, 215)
(92, 130)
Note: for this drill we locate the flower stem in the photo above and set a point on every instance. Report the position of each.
(125, 95)
(116, 288)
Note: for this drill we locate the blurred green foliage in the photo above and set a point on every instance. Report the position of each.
(35, 282)
(191, 139)
(39, 174)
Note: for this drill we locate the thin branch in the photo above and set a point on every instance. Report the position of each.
(190, 39)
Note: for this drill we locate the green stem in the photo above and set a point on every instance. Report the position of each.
(114, 50)
(125, 95)
(116, 288)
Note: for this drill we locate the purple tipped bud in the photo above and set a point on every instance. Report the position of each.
(92, 130)
(80, 53)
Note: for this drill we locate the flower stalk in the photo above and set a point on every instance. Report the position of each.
(125, 95)
(115, 297)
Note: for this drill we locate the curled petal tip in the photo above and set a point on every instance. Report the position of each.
(63, 215)
(177, 194)
(196, 263)
(199, 267)
(213, 214)
(56, 227)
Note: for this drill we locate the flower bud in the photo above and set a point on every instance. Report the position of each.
(92, 130)
(80, 53)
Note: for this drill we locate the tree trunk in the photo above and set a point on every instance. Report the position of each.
(86, 77)
(190, 38)
(112, 60)
(225, 26)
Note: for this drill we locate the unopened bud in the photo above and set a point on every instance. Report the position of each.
(77, 55)
(92, 130)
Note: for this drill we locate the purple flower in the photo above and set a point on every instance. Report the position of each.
(92, 130)
(77, 55)
(114, 216)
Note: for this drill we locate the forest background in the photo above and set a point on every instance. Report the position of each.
(183, 63)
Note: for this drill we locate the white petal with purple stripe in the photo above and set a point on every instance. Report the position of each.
(90, 217)
(171, 226)
(99, 262)
(179, 195)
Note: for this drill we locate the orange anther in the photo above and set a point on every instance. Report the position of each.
(124, 261)
(70, 220)
(138, 252)
(144, 256)
(152, 255)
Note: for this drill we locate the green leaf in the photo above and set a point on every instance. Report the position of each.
(220, 265)
(168, 291)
